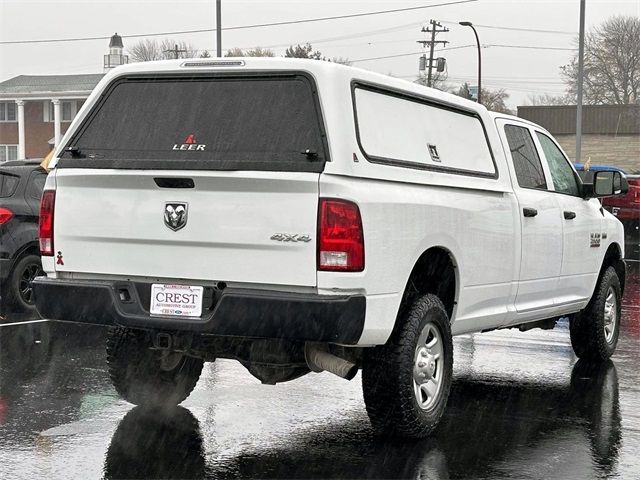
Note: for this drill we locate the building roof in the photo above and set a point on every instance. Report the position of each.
(116, 41)
(46, 84)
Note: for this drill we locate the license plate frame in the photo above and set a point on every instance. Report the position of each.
(170, 299)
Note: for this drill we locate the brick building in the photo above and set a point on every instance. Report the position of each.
(36, 110)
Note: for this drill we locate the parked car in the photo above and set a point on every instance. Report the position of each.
(625, 207)
(302, 216)
(21, 185)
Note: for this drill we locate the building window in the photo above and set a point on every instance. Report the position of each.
(7, 111)
(68, 110)
(8, 152)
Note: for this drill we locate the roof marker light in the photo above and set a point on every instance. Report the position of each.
(214, 63)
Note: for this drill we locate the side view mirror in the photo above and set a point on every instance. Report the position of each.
(606, 184)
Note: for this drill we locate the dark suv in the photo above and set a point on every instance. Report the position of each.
(21, 185)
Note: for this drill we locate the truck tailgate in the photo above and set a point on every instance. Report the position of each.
(239, 225)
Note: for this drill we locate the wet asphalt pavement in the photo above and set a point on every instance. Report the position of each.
(521, 408)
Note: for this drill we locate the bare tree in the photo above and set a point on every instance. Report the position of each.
(307, 51)
(341, 61)
(149, 50)
(438, 80)
(611, 63)
(303, 51)
(260, 52)
(494, 100)
(255, 52)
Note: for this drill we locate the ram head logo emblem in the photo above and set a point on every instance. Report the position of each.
(175, 215)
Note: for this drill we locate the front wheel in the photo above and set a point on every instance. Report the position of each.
(144, 376)
(406, 382)
(594, 331)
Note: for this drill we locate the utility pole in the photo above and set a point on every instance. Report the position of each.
(219, 28)
(436, 28)
(176, 51)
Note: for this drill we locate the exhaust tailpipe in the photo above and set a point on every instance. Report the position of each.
(319, 360)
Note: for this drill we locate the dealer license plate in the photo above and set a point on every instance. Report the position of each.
(176, 300)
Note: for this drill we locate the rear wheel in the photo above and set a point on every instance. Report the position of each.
(406, 382)
(144, 376)
(19, 293)
(594, 331)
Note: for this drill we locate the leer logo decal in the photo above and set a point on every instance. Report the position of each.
(175, 215)
(190, 143)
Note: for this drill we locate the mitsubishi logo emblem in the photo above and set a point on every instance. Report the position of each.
(175, 215)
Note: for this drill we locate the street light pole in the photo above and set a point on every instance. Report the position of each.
(580, 81)
(219, 28)
(469, 24)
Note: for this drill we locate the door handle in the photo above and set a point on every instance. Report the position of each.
(529, 212)
(569, 215)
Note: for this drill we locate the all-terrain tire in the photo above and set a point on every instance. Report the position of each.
(589, 338)
(388, 373)
(139, 375)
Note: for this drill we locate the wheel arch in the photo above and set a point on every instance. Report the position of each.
(613, 258)
(435, 271)
(31, 248)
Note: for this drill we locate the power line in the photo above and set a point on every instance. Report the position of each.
(517, 29)
(532, 47)
(491, 45)
(376, 32)
(407, 54)
(241, 27)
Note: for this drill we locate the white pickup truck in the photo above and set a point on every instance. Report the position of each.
(298, 215)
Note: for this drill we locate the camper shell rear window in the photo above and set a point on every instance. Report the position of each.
(269, 121)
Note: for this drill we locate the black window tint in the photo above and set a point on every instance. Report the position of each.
(8, 184)
(564, 179)
(525, 158)
(220, 123)
(36, 184)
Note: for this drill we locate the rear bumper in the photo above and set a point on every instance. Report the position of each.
(233, 312)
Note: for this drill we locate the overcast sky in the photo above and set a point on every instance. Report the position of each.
(521, 71)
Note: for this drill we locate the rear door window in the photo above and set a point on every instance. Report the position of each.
(8, 184)
(220, 123)
(526, 160)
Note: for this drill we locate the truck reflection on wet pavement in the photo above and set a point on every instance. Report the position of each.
(520, 407)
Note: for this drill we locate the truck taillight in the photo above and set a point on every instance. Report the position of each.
(340, 236)
(5, 215)
(47, 206)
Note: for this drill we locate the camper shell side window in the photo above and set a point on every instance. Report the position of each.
(400, 129)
